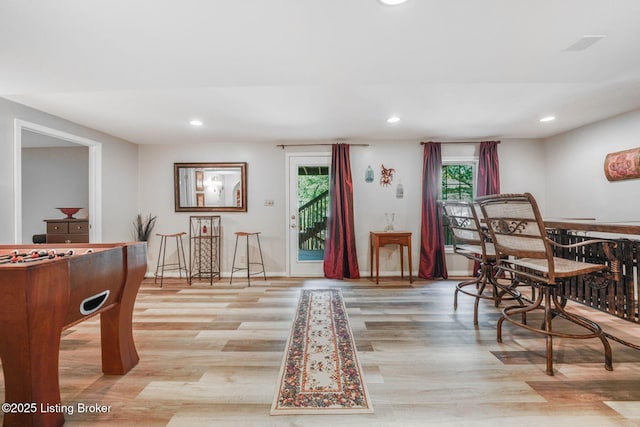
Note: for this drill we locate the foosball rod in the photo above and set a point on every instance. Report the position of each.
(15, 253)
(36, 256)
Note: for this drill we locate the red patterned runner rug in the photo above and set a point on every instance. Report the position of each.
(320, 373)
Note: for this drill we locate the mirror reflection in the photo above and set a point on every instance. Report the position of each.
(210, 187)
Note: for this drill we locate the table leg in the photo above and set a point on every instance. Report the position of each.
(377, 263)
(370, 257)
(30, 344)
(401, 262)
(119, 353)
(409, 254)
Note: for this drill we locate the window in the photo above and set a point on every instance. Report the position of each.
(313, 203)
(458, 183)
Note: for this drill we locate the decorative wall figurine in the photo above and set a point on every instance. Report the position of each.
(368, 175)
(622, 165)
(386, 176)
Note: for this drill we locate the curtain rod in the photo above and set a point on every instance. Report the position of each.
(312, 145)
(457, 142)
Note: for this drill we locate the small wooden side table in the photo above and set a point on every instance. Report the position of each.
(382, 238)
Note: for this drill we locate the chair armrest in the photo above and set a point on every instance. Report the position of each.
(608, 247)
(609, 243)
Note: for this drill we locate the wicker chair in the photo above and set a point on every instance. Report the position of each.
(523, 248)
(471, 241)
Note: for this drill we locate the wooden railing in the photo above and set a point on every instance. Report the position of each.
(312, 222)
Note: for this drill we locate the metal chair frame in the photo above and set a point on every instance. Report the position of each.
(524, 249)
(249, 262)
(181, 265)
(471, 241)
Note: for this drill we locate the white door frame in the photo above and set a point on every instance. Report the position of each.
(95, 176)
(289, 264)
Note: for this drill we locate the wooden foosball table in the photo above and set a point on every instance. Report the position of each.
(45, 289)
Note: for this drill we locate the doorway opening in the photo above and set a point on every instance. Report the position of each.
(95, 175)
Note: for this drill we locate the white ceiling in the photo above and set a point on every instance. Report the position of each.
(311, 70)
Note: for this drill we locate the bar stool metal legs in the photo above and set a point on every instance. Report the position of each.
(180, 265)
(249, 262)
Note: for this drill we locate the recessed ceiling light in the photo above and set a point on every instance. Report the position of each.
(393, 119)
(548, 119)
(195, 122)
(392, 2)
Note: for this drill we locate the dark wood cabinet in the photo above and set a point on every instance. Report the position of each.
(67, 230)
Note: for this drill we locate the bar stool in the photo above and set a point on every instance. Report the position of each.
(472, 242)
(519, 235)
(181, 264)
(249, 263)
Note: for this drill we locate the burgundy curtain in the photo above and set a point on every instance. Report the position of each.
(488, 169)
(340, 259)
(432, 261)
(488, 174)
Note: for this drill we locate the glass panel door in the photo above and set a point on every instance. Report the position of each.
(307, 209)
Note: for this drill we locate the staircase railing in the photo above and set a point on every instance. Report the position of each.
(312, 222)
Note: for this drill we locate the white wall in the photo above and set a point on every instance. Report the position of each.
(119, 172)
(139, 179)
(520, 160)
(575, 180)
(265, 181)
(565, 173)
(372, 200)
(523, 168)
(51, 178)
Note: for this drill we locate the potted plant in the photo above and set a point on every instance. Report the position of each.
(142, 227)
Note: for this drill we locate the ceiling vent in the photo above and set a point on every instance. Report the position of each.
(584, 42)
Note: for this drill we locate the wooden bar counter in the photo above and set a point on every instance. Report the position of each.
(42, 297)
(617, 297)
(631, 228)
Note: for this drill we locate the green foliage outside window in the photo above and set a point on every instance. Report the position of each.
(310, 186)
(313, 190)
(457, 184)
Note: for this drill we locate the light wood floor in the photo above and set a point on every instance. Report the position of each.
(210, 356)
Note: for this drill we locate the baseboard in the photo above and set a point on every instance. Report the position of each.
(175, 275)
(282, 274)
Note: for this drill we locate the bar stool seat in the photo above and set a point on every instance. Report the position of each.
(249, 262)
(162, 265)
